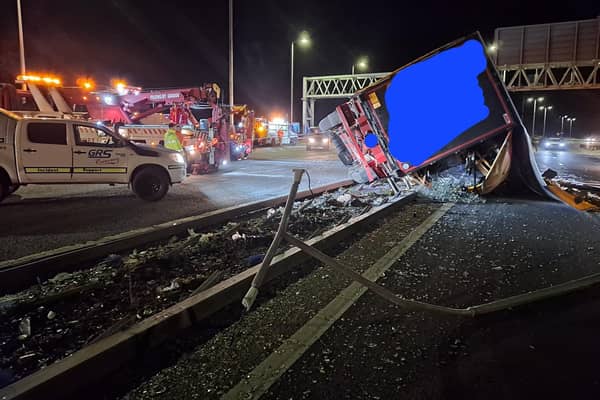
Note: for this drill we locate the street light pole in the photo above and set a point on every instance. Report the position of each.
(571, 126)
(303, 40)
(292, 84)
(545, 112)
(562, 124)
(535, 100)
(21, 41)
(352, 69)
(231, 63)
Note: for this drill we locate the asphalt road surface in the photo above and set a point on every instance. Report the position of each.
(543, 350)
(367, 348)
(38, 218)
(584, 168)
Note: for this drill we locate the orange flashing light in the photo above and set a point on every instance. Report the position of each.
(48, 80)
(86, 83)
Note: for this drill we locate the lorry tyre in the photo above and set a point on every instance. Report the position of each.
(151, 183)
(345, 157)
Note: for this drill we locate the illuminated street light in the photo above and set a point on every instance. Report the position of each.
(545, 108)
(571, 126)
(562, 123)
(535, 100)
(362, 64)
(303, 41)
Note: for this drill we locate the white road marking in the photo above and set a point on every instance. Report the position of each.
(257, 382)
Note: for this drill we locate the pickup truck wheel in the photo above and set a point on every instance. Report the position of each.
(150, 184)
(4, 191)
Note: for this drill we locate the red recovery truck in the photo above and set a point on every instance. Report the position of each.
(495, 152)
(144, 117)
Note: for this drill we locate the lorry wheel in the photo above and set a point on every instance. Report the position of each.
(150, 184)
(345, 157)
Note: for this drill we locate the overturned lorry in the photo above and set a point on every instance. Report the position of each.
(447, 110)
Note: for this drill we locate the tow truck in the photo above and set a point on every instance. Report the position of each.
(140, 116)
(57, 150)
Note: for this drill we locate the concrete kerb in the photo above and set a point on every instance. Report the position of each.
(107, 355)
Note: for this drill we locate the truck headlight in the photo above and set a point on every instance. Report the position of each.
(178, 158)
(325, 140)
(311, 140)
(561, 145)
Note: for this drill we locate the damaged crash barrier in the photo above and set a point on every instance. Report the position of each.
(344, 198)
(406, 304)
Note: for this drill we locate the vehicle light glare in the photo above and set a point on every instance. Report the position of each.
(311, 140)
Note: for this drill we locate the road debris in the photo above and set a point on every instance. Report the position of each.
(25, 328)
(130, 287)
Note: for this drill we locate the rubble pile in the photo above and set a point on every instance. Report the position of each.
(55, 318)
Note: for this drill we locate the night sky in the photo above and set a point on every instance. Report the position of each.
(154, 43)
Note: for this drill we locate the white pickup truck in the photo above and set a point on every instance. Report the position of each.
(58, 151)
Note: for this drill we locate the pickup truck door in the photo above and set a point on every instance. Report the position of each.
(99, 156)
(44, 153)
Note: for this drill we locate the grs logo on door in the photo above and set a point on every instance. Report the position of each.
(99, 153)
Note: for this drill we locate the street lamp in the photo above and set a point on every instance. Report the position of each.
(303, 41)
(230, 9)
(571, 126)
(562, 124)
(21, 42)
(535, 100)
(545, 108)
(362, 64)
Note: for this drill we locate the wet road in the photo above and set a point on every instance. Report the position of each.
(38, 218)
(580, 167)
